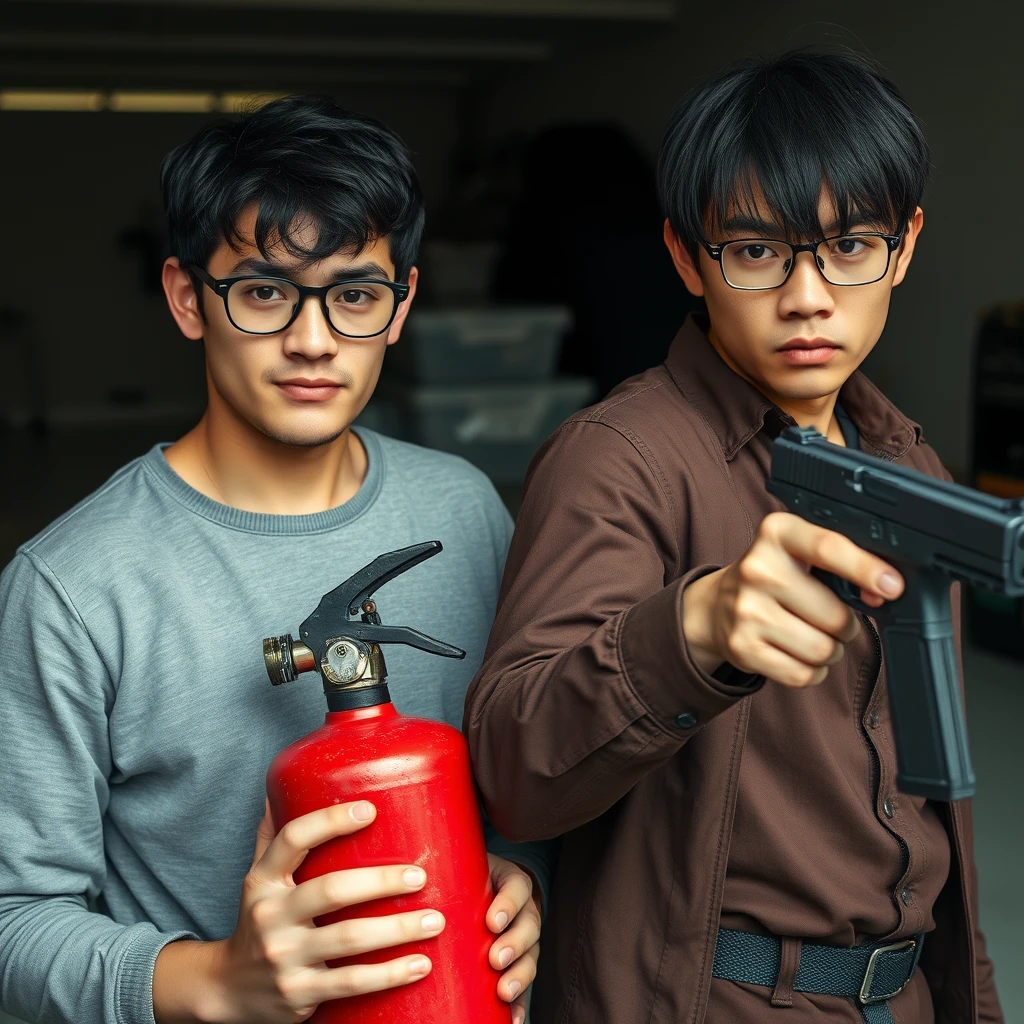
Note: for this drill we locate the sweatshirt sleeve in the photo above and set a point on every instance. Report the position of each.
(587, 683)
(60, 960)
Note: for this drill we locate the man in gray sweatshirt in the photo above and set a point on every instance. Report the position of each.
(140, 878)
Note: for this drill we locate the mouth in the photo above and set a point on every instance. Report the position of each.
(303, 389)
(808, 351)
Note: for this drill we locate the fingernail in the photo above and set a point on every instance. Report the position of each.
(514, 989)
(517, 1017)
(419, 967)
(431, 922)
(889, 584)
(415, 876)
(362, 811)
(501, 919)
(504, 959)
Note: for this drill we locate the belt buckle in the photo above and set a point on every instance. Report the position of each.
(869, 974)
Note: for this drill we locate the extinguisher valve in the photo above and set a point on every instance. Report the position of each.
(346, 651)
(285, 658)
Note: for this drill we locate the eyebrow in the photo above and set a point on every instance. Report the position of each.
(752, 227)
(263, 268)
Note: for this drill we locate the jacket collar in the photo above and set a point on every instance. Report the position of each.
(736, 411)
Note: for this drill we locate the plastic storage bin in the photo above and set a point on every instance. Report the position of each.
(475, 345)
(497, 428)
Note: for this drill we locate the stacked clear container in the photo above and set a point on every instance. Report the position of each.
(480, 382)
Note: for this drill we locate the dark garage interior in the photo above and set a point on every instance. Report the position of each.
(534, 126)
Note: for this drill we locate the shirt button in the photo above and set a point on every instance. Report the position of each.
(686, 720)
(873, 720)
(887, 807)
(905, 896)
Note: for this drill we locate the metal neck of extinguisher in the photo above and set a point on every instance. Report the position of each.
(347, 652)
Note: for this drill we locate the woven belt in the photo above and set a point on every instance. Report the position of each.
(870, 975)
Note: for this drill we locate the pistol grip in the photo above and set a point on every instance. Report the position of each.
(925, 699)
(916, 630)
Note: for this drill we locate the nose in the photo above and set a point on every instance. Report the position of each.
(806, 293)
(310, 335)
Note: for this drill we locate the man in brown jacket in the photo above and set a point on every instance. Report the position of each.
(666, 684)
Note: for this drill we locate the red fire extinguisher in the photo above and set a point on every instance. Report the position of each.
(417, 774)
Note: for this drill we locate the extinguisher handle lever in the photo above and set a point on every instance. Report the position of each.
(384, 568)
(332, 616)
(370, 633)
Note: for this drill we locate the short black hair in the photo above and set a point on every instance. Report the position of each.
(301, 159)
(783, 128)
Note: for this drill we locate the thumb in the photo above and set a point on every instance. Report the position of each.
(265, 833)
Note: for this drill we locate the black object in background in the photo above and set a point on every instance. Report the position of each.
(997, 459)
(586, 232)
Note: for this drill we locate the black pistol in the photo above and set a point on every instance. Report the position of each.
(933, 532)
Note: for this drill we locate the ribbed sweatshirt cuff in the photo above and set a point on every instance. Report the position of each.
(133, 990)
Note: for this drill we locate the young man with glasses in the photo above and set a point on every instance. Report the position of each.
(666, 682)
(138, 719)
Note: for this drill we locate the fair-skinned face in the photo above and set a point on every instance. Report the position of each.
(261, 382)
(749, 329)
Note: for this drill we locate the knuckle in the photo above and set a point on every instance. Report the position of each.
(260, 914)
(345, 936)
(334, 888)
(290, 834)
(272, 949)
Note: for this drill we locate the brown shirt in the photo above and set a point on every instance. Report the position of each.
(682, 797)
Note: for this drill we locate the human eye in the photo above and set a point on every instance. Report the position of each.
(264, 292)
(357, 297)
(851, 247)
(759, 251)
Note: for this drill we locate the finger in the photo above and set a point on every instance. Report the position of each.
(770, 578)
(296, 838)
(364, 934)
(826, 549)
(518, 1012)
(780, 667)
(339, 889)
(800, 639)
(520, 936)
(513, 890)
(358, 979)
(519, 977)
(265, 833)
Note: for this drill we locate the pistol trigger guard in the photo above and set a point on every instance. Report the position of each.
(844, 590)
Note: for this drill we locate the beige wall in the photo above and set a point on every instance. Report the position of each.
(961, 68)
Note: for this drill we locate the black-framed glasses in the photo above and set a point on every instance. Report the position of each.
(267, 305)
(758, 264)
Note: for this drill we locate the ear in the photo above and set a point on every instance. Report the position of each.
(182, 300)
(905, 253)
(683, 261)
(395, 330)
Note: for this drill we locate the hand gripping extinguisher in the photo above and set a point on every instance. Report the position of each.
(417, 775)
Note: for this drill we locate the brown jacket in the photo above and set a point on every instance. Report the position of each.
(589, 718)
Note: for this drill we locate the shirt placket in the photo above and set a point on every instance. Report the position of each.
(878, 729)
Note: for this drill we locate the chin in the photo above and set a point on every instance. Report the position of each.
(304, 437)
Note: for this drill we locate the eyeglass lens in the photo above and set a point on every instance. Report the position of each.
(763, 263)
(356, 309)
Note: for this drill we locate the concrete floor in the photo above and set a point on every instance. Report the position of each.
(49, 475)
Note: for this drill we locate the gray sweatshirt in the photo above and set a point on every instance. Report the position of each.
(138, 721)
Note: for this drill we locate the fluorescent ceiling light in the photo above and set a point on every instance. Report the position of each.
(50, 99)
(131, 102)
(241, 102)
(162, 102)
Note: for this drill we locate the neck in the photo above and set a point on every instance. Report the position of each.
(232, 462)
(816, 412)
